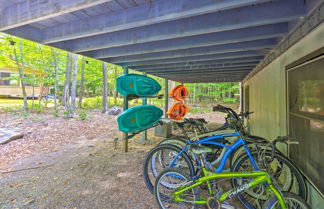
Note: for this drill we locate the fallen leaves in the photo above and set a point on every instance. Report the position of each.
(52, 134)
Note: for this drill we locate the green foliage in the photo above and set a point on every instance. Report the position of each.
(55, 113)
(8, 109)
(229, 100)
(39, 58)
(38, 118)
(83, 114)
(35, 108)
(21, 113)
(68, 112)
(199, 110)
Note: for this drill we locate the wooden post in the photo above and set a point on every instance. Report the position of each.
(125, 107)
(105, 88)
(166, 96)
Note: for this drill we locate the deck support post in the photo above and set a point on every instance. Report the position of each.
(166, 96)
(125, 107)
(144, 102)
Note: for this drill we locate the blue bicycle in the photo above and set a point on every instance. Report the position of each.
(217, 149)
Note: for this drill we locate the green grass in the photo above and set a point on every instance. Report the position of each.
(200, 109)
(12, 103)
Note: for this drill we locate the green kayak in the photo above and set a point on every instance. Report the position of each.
(139, 118)
(139, 85)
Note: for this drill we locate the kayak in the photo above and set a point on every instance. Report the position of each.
(140, 85)
(139, 118)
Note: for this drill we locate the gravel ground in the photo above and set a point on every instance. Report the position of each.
(73, 164)
(88, 174)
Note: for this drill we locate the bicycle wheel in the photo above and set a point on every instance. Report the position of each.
(177, 141)
(159, 158)
(285, 174)
(292, 201)
(238, 152)
(167, 182)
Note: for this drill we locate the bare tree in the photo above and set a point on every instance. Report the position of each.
(82, 82)
(67, 82)
(105, 88)
(116, 92)
(21, 73)
(56, 80)
(74, 82)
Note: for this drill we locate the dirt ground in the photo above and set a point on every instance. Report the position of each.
(73, 163)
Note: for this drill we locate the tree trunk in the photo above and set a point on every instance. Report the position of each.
(33, 95)
(105, 88)
(21, 74)
(40, 96)
(116, 92)
(67, 82)
(82, 83)
(74, 84)
(42, 77)
(55, 82)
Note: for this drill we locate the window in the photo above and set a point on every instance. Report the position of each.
(4, 82)
(306, 117)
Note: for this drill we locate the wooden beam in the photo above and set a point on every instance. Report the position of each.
(194, 64)
(30, 11)
(177, 67)
(200, 69)
(218, 49)
(249, 16)
(215, 57)
(141, 15)
(212, 39)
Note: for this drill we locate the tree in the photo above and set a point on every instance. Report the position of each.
(82, 82)
(21, 72)
(56, 81)
(74, 83)
(105, 88)
(67, 82)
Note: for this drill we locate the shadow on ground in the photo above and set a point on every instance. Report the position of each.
(89, 174)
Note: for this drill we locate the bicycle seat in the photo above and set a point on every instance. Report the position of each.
(256, 139)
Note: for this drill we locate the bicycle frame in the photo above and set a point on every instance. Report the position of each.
(259, 177)
(230, 149)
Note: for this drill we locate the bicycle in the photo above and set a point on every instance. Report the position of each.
(176, 189)
(184, 160)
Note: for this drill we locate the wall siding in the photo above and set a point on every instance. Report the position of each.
(268, 95)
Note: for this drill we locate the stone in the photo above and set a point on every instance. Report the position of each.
(8, 135)
(115, 110)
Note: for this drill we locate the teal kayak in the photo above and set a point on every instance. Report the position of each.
(139, 118)
(139, 85)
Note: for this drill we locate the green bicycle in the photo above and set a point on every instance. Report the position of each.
(174, 188)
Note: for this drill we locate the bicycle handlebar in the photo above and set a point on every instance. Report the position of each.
(282, 139)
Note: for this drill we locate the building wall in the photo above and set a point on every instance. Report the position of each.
(267, 95)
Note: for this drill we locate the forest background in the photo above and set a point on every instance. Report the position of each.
(79, 83)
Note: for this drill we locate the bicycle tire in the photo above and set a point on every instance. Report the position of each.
(172, 172)
(239, 151)
(177, 141)
(288, 197)
(146, 165)
(301, 189)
